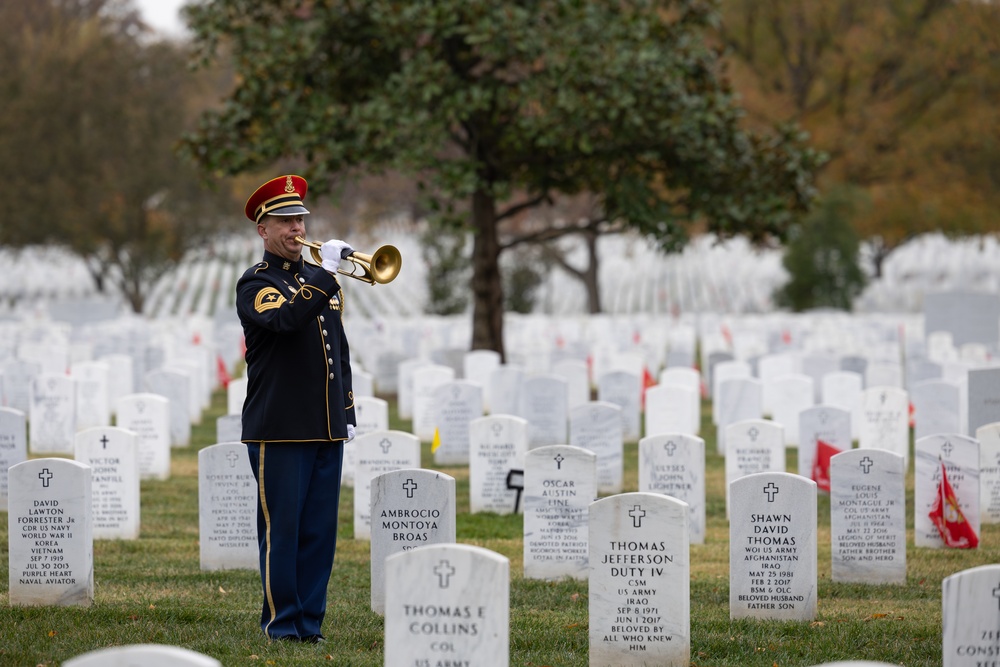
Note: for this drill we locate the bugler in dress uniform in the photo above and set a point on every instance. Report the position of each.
(296, 414)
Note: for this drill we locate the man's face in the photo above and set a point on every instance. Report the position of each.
(279, 232)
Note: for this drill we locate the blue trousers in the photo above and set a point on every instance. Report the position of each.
(298, 494)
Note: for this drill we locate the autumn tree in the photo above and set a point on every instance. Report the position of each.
(500, 107)
(901, 95)
(93, 110)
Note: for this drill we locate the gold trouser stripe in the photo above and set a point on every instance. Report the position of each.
(267, 538)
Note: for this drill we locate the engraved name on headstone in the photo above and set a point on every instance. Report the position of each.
(960, 456)
(498, 446)
(112, 454)
(970, 617)
(227, 508)
(674, 465)
(379, 452)
(596, 426)
(148, 416)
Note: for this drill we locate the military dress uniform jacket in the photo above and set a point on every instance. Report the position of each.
(298, 364)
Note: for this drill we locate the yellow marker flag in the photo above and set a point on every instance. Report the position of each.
(436, 442)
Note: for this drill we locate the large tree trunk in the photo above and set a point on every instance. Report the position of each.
(589, 274)
(487, 288)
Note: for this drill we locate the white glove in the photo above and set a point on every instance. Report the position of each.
(350, 432)
(332, 252)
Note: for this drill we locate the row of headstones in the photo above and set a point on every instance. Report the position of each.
(634, 550)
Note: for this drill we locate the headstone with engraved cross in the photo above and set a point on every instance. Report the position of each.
(674, 464)
(457, 404)
(412, 508)
(112, 454)
(560, 482)
(755, 445)
(885, 420)
(148, 416)
(988, 436)
(498, 444)
(13, 446)
(868, 517)
(51, 541)
(379, 452)
(960, 456)
(772, 547)
(372, 414)
(970, 617)
(639, 602)
(471, 583)
(227, 508)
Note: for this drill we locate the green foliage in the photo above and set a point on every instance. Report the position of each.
(521, 282)
(447, 262)
(822, 257)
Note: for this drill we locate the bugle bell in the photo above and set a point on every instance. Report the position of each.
(382, 266)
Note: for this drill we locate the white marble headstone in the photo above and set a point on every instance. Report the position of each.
(544, 402)
(52, 414)
(821, 423)
(674, 465)
(772, 547)
(970, 617)
(147, 655)
(372, 414)
(623, 389)
(405, 385)
(989, 472)
(16, 380)
(560, 483)
(51, 559)
(426, 379)
(148, 416)
(236, 395)
(92, 407)
(672, 408)
(505, 390)
(477, 366)
(176, 387)
(752, 446)
(791, 394)
(983, 396)
(229, 428)
(596, 426)
(868, 517)
(227, 508)
(842, 389)
(13, 446)
(112, 454)
(885, 420)
(496, 463)
(412, 508)
(738, 399)
(577, 377)
(471, 583)
(960, 456)
(456, 405)
(937, 408)
(379, 452)
(640, 578)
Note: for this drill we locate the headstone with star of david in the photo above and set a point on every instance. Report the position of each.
(13, 446)
(148, 416)
(372, 414)
(52, 414)
(983, 397)
(988, 436)
(596, 426)
(560, 483)
(376, 453)
(447, 604)
(970, 617)
(937, 407)
(772, 547)
(456, 405)
(824, 423)
(868, 517)
(544, 402)
(51, 560)
(674, 464)
(960, 455)
(112, 454)
(497, 447)
(504, 389)
(176, 387)
(739, 399)
(227, 509)
(885, 420)
(639, 599)
(752, 446)
(672, 408)
(412, 508)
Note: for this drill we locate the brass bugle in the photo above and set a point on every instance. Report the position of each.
(382, 266)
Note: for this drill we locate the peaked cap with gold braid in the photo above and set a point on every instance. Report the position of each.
(279, 196)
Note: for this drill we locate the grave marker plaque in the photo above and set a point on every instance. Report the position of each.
(227, 508)
(772, 547)
(868, 517)
(51, 558)
(560, 482)
(112, 454)
(640, 574)
(447, 604)
(412, 508)
(674, 465)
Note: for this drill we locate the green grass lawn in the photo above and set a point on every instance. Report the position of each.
(151, 590)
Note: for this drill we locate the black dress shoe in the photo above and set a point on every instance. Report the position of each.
(313, 639)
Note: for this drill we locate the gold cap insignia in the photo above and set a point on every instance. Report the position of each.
(288, 184)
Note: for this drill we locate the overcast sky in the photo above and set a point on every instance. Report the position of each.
(162, 15)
